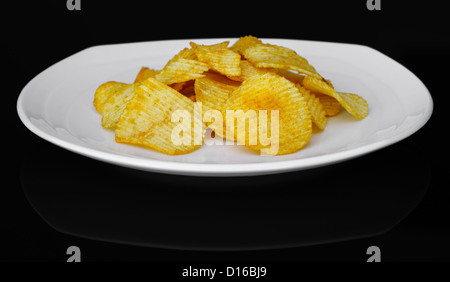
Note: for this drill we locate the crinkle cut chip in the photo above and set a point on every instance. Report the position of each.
(148, 120)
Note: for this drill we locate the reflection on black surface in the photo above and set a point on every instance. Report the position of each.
(358, 198)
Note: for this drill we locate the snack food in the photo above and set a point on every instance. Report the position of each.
(148, 120)
(263, 96)
(272, 56)
(354, 104)
(254, 100)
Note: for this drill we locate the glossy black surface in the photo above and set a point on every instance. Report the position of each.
(354, 199)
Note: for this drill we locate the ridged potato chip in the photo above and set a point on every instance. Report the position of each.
(274, 95)
(213, 91)
(105, 91)
(318, 114)
(220, 58)
(221, 78)
(291, 76)
(217, 46)
(354, 104)
(181, 70)
(116, 104)
(248, 70)
(273, 56)
(145, 73)
(162, 119)
(331, 106)
(243, 43)
(186, 53)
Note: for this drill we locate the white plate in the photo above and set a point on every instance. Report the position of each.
(57, 106)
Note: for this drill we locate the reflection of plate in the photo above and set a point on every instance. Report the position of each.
(246, 213)
(57, 106)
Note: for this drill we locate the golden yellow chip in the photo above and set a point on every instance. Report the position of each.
(291, 76)
(220, 58)
(272, 56)
(116, 104)
(217, 46)
(329, 83)
(271, 115)
(243, 43)
(248, 70)
(162, 119)
(105, 91)
(186, 53)
(221, 78)
(331, 106)
(181, 70)
(354, 104)
(145, 73)
(318, 114)
(213, 93)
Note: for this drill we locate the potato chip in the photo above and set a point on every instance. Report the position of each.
(213, 94)
(105, 91)
(162, 119)
(145, 73)
(220, 58)
(221, 78)
(265, 95)
(329, 83)
(243, 43)
(116, 104)
(354, 104)
(186, 53)
(291, 76)
(272, 56)
(181, 70)
(217, 46)
(318, 114)
(331, 106)
(248, 70)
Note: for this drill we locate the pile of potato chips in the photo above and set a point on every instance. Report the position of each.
(248, 76)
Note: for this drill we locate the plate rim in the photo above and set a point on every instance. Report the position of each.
(213, 169)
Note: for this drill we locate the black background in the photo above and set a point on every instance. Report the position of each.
(37, 34)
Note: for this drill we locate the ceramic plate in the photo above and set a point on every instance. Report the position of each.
(57, 106)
